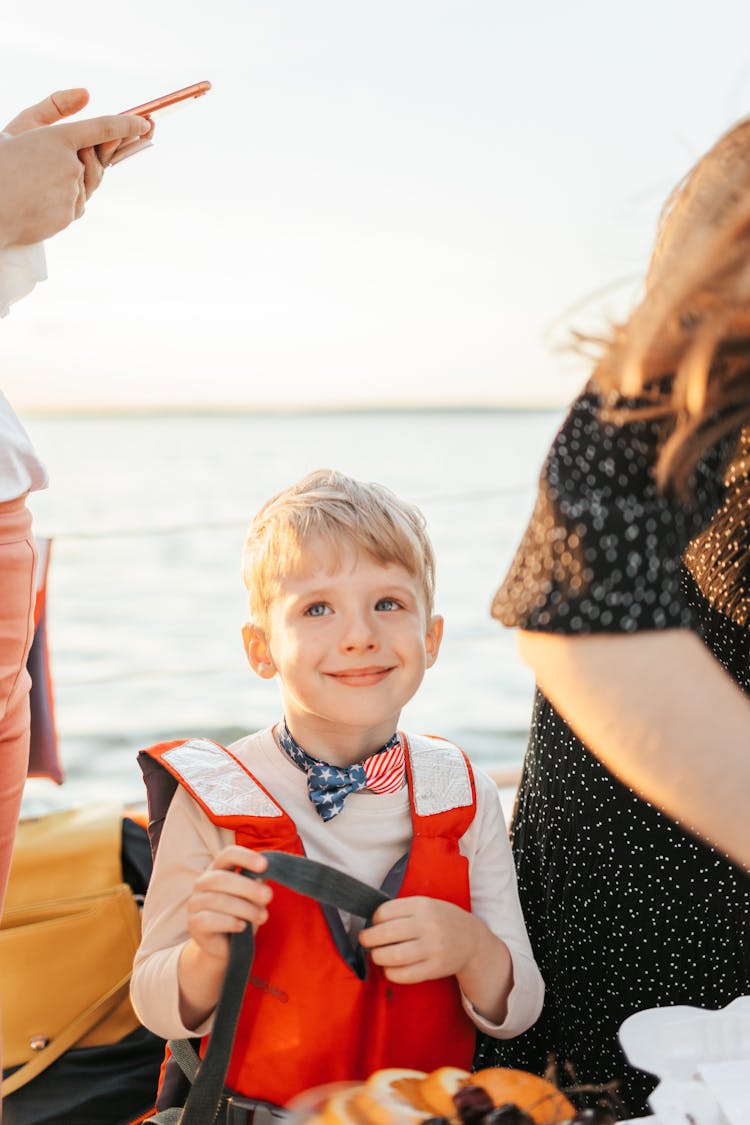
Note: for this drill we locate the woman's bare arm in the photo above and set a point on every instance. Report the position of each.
(661, 713)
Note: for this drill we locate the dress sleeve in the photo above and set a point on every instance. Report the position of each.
(602, 551)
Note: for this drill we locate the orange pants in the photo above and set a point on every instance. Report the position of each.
(17, 593)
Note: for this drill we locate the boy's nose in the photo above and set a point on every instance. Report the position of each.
(359, 634)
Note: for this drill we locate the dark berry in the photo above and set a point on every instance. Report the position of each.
(508, 1114)
(596, 1115)
(472, 1102)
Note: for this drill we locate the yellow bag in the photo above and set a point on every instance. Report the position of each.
(68, 936)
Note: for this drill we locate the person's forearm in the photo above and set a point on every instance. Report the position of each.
(200, 978)
(661, 713)
(487, 978)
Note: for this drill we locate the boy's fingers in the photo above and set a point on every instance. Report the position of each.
(399, 955)
(233, 891)
(51, 109)
(222, 881)
(237, 856)
(387, 933)
(409, 974)
(98, 130)
(394, 908)
(227, 906)
(215, 922)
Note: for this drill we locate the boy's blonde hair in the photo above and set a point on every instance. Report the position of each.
(344, 513)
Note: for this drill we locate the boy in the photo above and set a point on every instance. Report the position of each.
(340, 577)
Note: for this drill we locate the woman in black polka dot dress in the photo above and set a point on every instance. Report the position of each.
(632, 588)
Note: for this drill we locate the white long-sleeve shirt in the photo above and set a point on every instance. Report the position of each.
(371, 833)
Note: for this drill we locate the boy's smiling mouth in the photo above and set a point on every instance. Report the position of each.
(361, 677)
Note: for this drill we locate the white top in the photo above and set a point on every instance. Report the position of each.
(21, 471)
(20, 269)
(371, 833)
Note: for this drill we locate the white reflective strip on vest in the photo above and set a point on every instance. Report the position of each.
(441, 776)
(219, 781)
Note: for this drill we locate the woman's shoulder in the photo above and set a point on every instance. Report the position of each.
(614, 443)
(602, 550)
(597, 454)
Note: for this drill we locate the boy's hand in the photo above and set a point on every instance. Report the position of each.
(416, 939)
(223, 901)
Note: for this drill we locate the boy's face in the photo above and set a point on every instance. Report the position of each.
(350, 641)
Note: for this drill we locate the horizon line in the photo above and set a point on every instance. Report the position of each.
(146, 410)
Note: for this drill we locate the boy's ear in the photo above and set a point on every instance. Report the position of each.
(433, 637)
(258, 651)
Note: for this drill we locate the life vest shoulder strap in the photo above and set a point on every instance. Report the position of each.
(442, 785)
(223, 786)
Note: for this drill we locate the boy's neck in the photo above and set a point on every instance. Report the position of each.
(337, 746)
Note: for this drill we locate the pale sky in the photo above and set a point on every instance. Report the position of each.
(380, 201)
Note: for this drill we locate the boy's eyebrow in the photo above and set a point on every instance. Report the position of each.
(402, 591)
(380, 590)
(308, 595)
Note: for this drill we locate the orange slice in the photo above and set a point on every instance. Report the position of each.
(438, 1088)
(359, 1106)
(395, 1089)
(543, 1102)
(310, 1105)
(384, 1110)
(339, 1110)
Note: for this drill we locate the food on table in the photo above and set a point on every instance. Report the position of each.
(451, 1096)
(440, 1085)
(543, 1102)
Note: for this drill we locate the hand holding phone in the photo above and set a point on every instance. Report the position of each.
(194, 91)
(122, 152)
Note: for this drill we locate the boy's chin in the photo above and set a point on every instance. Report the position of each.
(355, 725)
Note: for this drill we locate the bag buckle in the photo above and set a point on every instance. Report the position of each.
(250, 1111)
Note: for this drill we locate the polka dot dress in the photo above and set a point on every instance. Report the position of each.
(624, 910)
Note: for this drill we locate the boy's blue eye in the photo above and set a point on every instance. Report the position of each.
(387, 604)
(319, 609)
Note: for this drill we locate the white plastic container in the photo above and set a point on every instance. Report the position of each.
(701, 1058)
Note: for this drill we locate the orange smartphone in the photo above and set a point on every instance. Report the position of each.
(194, 91)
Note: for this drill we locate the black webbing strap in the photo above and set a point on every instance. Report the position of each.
(307, 877)
(323, 883)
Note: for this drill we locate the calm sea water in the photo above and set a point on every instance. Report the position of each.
(145, 599)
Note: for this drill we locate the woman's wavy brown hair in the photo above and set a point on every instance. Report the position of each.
(685, 350)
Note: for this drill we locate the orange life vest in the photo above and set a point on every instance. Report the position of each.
(315, 1009)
